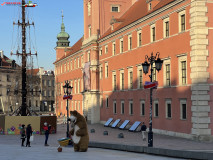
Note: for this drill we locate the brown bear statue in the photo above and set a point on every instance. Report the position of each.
(79, 132)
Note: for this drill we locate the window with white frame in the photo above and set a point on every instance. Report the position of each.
(183, 109)
(79, 86)
(71, 65)
(168, 108)
(89, 30)
(182, 21)
(122, 79)
(78, 62)
(65, 67)
(166, 27)
(107, 102)
(122, 107)
(113, 48)
(140, 77)
(129, 42)
(75, 64)
(100, 51)
(79, 106)
(101, 71)
(75, 85)
(101, 101)
(106, 49)
(156, 108)
(82, 86)
(121, 45)
(182, 62)
(89, 8)
(82, 61)
(167, 72)
(88, 56)
(142, 107)
(131, 107)
(153, 33)
(68, 66)
(115, 8)
(130, 78)
(114, 81)
(114, 107)
(139, 38)
(76, 105)
(106, 70)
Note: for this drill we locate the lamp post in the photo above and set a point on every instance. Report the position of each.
(158, 64)
(67, 92)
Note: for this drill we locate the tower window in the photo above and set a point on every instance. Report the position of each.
(115, 8)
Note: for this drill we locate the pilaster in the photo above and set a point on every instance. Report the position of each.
(199, 75)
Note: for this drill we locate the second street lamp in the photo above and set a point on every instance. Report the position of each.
(158, 64)
(67, 92)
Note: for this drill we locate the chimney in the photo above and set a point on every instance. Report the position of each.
(1, 54)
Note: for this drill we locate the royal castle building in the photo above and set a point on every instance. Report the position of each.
(104, 66)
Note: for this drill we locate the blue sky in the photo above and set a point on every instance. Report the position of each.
(47, 19)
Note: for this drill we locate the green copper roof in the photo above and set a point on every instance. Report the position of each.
(63, 36)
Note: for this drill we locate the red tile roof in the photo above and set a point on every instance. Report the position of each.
(137, 11)
(33, 71)
(75, 48)
(5, 62)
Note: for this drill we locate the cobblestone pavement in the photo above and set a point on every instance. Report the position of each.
(10, 147)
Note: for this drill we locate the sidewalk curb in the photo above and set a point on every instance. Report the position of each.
(155, 151)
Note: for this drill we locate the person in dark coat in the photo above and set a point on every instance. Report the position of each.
(47, 129)
(28, 133)
(23, 134)
(143, 130)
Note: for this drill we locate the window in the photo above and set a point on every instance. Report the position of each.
(75, 64)
(106, 70)
(168, 109)
(101, 102)
(61, 68)
(114, 107)
(154, 77)
(140, 77)
(122, 80)
(89, 30)
(70, 65)
(53, 93)
(156, 109)
(182, 21)
(65, 67)
(121, 46)
(75, 86)
(100, 52)
(131, 107)
(183, 67)
(89, 8)
(142, 104)
(106, 49)
(150, 6)
(114, 80)
(113, 48)
(101, 72)
(130, 78)
(153, 34)
(88, 56)
(53, 83)
(166, 27)
(107, 101)
(8, 78)
(139, 39)
(78, 62)
(183, 109)
(129, 42)
(122, 107)
(168, 75)
(115, 8)
(79, 86)
(79, 106)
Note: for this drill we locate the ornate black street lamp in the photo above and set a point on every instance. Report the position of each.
(158, 64)
(67, 92)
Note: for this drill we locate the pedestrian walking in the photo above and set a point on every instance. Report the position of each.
(28, 133)
(46, 128)
(23, 134)
(143, 130)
